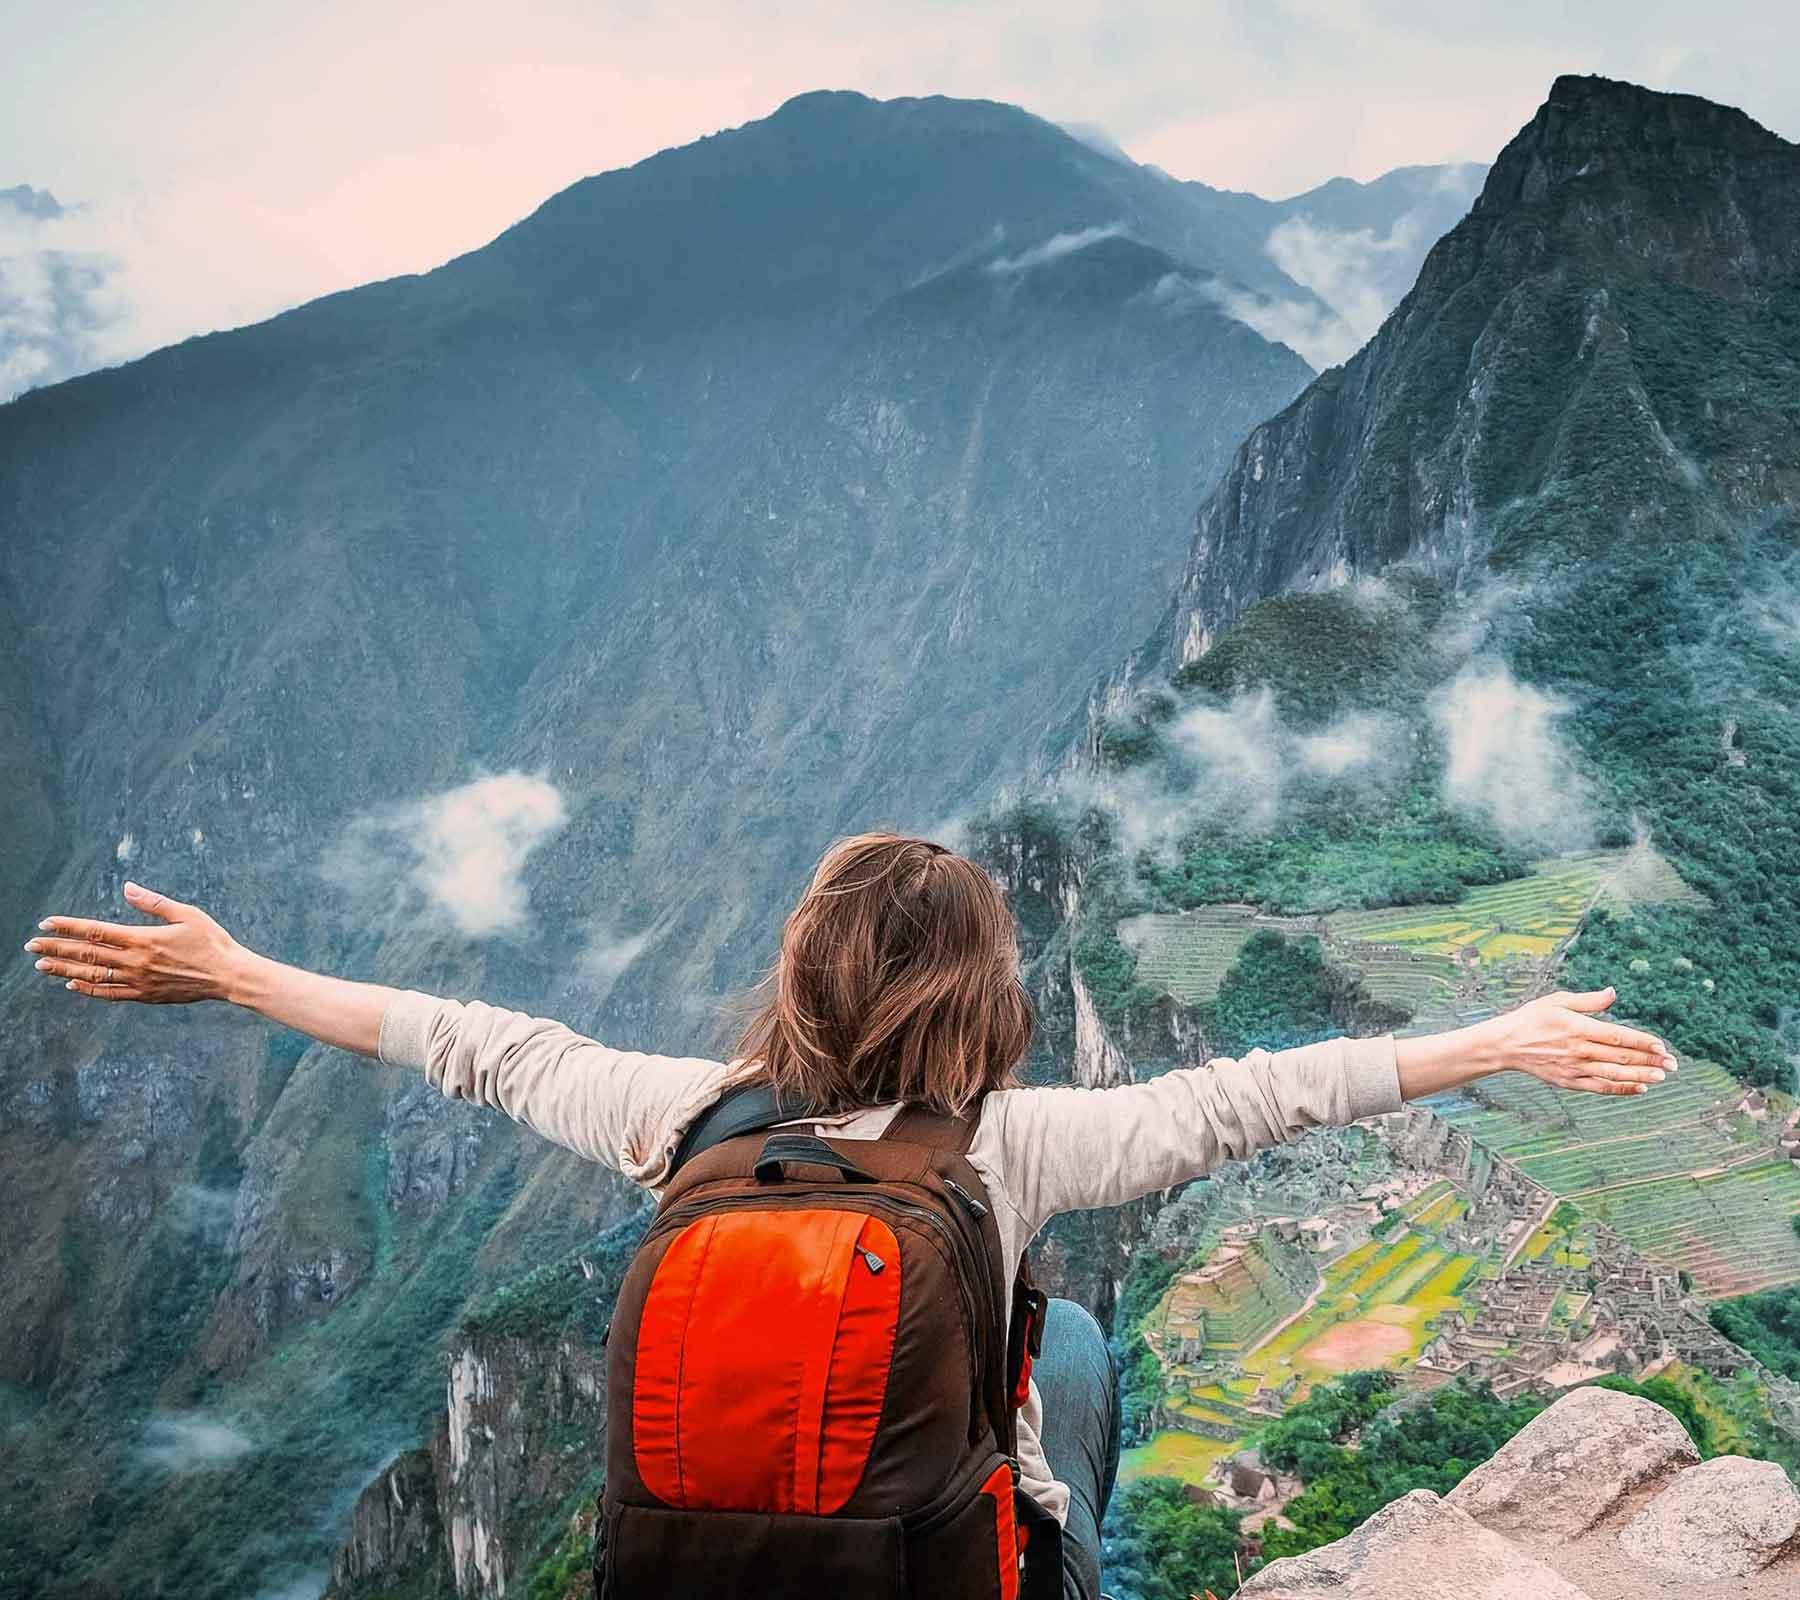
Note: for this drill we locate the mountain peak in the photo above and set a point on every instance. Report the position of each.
(1590, 125)
(1628, 250)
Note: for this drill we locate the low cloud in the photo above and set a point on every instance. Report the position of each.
(1349, 269)
(191, 1441)
(1313, 332)
(1354, 743)
(607, 956)
(1359, 274)
(1774, 610)
(1239, 767)
(307, 1585)
(1097, 139)
(87, 286)
(1053, 249)
(1235, 756)
(461, 852)
(1362, 272)
(951, 832)
(1506, 761)
(205, 1213)
(59, 302)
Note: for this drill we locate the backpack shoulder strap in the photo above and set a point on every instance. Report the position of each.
(935, 1130)
(743, 1108)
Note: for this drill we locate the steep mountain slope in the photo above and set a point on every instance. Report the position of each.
(523, 629)
(1612, 315)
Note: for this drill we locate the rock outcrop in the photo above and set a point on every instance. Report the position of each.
(394, 1526)
(1727, 1519)
(1563, 1475)
(473, 1514)
(1382, 1560)
(498, 1504)
(1600, 1498)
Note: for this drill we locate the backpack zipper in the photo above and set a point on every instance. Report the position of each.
(976, 1208)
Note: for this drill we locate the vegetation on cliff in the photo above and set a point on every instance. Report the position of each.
(1767, 1325)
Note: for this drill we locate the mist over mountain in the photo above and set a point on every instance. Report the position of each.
(523, 629)
(57, 300)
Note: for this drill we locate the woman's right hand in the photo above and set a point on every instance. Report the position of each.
(186, 956)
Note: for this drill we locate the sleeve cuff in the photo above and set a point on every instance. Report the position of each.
(1371, 1077)
(405, 1038)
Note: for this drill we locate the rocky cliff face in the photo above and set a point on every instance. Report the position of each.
(500, 1501)
(485, 1507)
(1600, 1498)
(1566, 352)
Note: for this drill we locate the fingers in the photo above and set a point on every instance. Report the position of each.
(116, 935)
(92, 965)
(79, 950)
(1592, 1085)
(1647, 1076)
(91, 974)
(1612, 1036)
(101, 991)
(157, 905)
(1591, 1000)
(1612, 1055)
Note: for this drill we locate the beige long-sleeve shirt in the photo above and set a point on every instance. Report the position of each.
(1039, 1151)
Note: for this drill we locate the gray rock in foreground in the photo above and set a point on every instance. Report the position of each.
(1418, 1548)
(1570, 1468)
(1600, 1498)
(1726, 1519)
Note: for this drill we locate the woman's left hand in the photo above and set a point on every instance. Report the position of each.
(1563, 1039)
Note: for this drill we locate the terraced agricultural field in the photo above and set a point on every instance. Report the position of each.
(1375, 1306)
(1378, 1300)
(1187, 954)
(1238, 1300)
(1175, 1453)
(1676, 1171)
(1418, 956)
(1733, 1233)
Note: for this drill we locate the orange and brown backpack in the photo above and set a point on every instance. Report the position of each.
(812, 1386)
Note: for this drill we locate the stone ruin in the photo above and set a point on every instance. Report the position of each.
(1544, 1326)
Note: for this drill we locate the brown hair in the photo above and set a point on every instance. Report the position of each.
(897, 980)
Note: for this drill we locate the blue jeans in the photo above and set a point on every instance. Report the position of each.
(1080, 1392)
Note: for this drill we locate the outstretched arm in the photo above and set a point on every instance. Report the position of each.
(1070, 1149)
(186, 956)
(621, 1107)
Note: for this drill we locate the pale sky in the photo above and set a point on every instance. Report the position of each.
(241, 155)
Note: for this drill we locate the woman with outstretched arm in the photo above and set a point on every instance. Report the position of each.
(896, 986)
